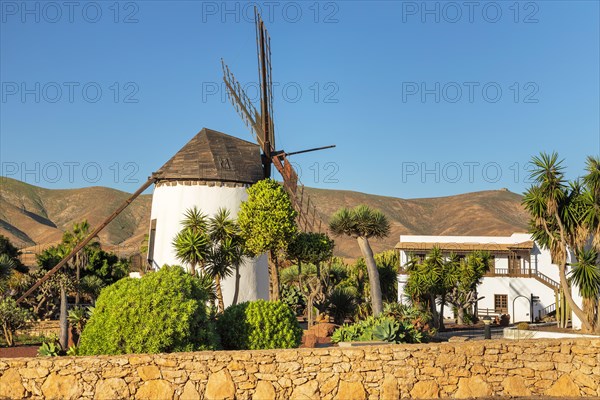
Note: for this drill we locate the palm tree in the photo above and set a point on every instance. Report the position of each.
(191, 248)
(586, 275)
(195, 220)
(70, 240)
(431, 280)
(564, 216)
(7, 266)
(221, 261)
(363, 223)
(226, 254)
(192, 242)
(236, 256)
(465, 276)
(591, 219)
(222, 226)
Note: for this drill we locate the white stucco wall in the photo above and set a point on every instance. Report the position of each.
(515, 289)
(169, 204)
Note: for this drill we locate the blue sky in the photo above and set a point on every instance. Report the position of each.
(422, 98)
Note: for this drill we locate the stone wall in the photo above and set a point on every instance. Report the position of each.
(546, 368)
(41, 328)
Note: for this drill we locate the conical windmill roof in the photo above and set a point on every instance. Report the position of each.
(214, 156)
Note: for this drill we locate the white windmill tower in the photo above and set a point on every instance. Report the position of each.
(212, 171)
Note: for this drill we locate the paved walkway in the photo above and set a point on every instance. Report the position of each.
(471, 334)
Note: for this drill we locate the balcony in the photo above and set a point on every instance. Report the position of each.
(524, 273)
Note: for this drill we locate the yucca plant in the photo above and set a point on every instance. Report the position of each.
(341, 303)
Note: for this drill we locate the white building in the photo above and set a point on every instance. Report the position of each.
(522, 282)
(211, 171)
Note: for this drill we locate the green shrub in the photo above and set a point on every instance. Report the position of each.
(163, 311)
(259, 325)
(12, 318)
(294, 298)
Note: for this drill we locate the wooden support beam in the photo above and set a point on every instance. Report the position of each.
(92, 235)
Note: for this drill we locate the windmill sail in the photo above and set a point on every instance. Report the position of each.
(263, 129)
(242, 104)
(308, 218)
(263, 50)
(85, 241)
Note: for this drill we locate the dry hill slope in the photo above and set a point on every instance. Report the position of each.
(497, 212)
(30, 215)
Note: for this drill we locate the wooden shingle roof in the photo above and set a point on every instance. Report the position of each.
(214, 156)
(426, 246)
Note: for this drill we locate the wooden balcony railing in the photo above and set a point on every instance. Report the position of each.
(524, 273)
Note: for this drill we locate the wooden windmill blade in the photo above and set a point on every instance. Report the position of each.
(89, 238)
(308, 217)
(263, 51)
(263, 128)
(242, 104)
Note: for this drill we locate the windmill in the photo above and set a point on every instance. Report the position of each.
(263, 129)
(215, 166)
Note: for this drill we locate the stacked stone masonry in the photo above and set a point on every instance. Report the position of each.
(545, 368)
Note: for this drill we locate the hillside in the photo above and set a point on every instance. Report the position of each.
(36, 217)
(31, 216)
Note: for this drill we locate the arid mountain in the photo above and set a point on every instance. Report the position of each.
(492, 212)
(34, 217)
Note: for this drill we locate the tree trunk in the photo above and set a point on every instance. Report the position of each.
(237, 285)
(585, 324)
(589, 308)
(8, 335)
(374, 284)
(319, 289)
(64, 322)
(300, 275)
(460, 316)
(598, 317)
(77, 273)
(433, 310)
(275, 293)
(219, 294)
(309, 305)
(441, 327)
(562, 272)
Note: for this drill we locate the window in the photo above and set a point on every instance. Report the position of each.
(501, 303)
(419, 257)
(151, 238)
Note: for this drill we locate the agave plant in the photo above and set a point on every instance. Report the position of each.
(73, 351)
(49, 349)
(388, 330)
